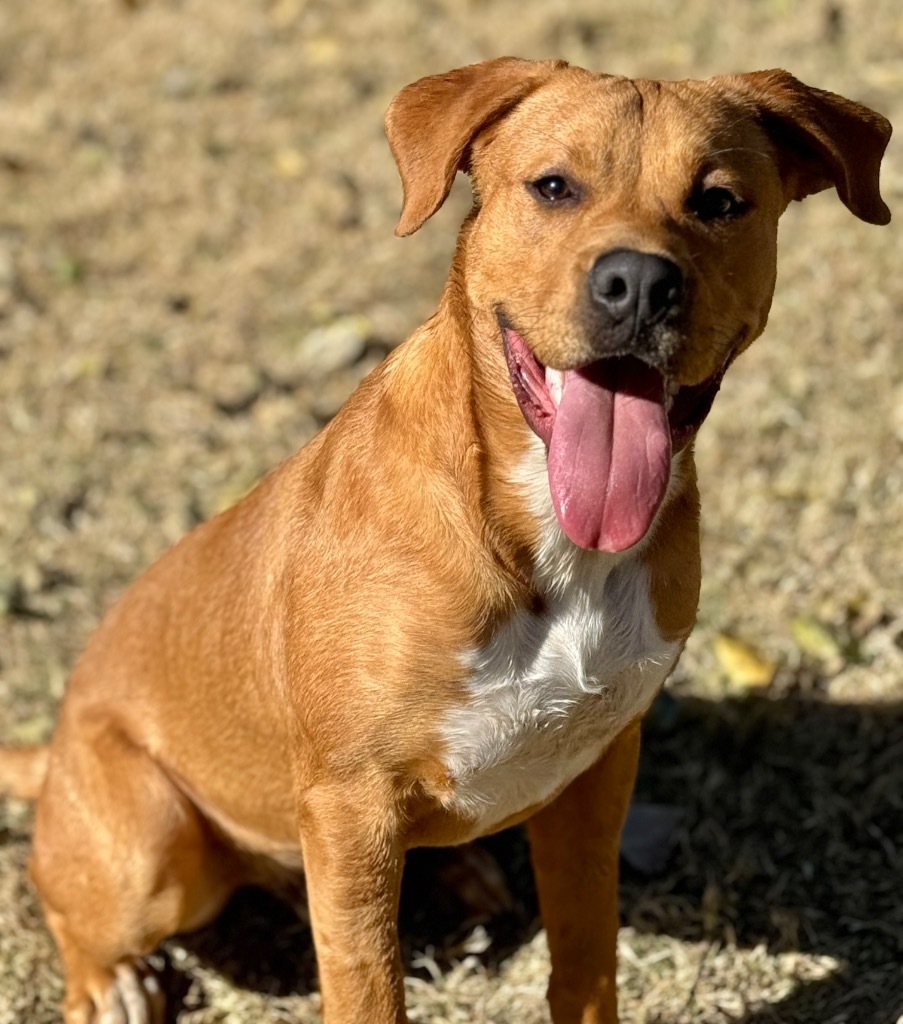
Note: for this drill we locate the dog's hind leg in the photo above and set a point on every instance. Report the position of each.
(122, 859)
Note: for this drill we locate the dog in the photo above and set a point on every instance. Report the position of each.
(447, 613)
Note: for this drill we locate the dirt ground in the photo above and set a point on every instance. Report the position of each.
(191, 193)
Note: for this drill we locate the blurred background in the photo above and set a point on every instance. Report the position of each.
(197, 265)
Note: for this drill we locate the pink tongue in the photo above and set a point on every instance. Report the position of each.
(610, 453)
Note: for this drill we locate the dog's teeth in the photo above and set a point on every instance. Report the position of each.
(555, 384)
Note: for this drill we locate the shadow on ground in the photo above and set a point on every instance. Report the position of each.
(793, 818)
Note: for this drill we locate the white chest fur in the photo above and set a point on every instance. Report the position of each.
(550, 691)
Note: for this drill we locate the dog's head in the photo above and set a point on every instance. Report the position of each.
(624, 238)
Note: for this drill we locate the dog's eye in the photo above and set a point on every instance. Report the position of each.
(552, 188)
(717, 203)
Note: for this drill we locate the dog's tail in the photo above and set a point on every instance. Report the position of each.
(22, 771)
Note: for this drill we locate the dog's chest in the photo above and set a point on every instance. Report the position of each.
(550, 691)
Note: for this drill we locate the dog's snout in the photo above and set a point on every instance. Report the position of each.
(638, 288)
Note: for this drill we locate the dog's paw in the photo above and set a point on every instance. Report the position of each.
(131, 995)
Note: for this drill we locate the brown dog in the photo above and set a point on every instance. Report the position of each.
(449, 611)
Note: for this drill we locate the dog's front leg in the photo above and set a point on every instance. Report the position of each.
(574, 845)
(353, 865)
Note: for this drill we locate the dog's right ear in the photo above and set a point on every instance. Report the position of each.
(432, 122)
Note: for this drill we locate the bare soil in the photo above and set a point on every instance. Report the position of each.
(188, 190)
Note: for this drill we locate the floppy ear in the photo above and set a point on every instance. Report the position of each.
(822, 140)
(431, 123)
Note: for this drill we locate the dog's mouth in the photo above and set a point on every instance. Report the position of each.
(611, 428)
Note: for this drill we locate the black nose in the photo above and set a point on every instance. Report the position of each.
(636, 288)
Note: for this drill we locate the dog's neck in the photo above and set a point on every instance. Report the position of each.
(497, 439)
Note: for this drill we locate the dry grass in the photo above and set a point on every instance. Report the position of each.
(186, 191)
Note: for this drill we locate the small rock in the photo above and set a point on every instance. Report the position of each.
(179, 83)
(232, 387)
(650, 835)
(277, 414)
(329, 348)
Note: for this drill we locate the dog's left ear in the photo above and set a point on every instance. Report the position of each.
(431, 124)
(822, 139)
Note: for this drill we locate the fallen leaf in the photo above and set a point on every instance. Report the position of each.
(815, 639)
(743, 665)
(650, 835)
